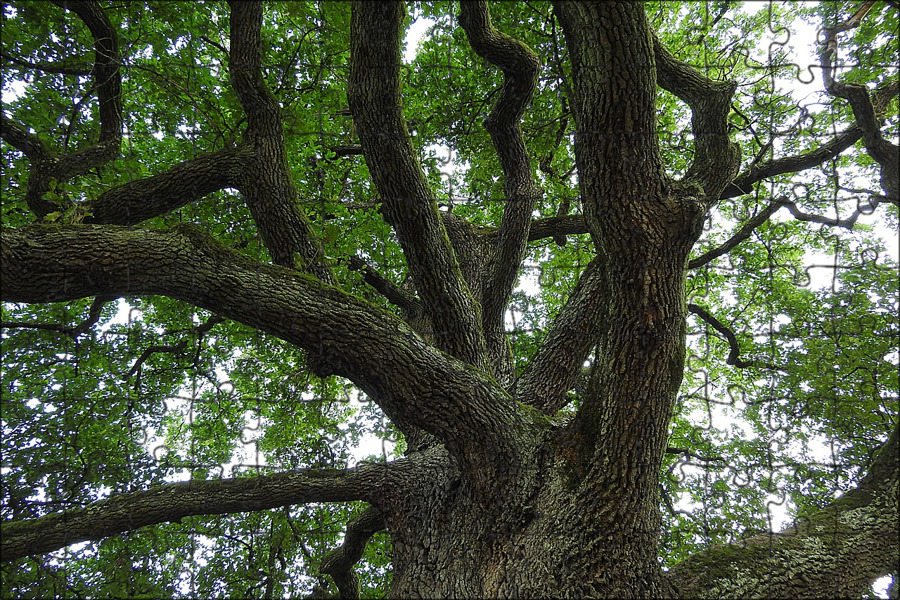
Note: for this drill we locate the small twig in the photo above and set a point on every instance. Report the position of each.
(691, 454)
(92, 319)
(733, 356)
(146, 354)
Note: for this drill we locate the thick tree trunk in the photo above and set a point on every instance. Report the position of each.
(500, 496)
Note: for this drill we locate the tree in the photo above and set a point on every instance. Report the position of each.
(256, 180)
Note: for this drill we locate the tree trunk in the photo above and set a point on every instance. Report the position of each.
(502, 494)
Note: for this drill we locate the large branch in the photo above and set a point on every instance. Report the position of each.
(415, 384)
(175, 501)
(265, 182)
(614, 86)
(716, 158)
(520, 68)
(865, 108)
(560, 358)
(837, 552)
(552, 227)
(408, 204)
(186, 182)
(46, 164)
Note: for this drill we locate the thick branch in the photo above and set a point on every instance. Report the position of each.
(408, 204)
(743, 183)
(520, 68)
(46, 165)
(174, 501)
(137, 201)
(339, 562)
(556, 226)
(415, 384)
(716, 158)
(836, 552)
(265, 181)
(561, 356)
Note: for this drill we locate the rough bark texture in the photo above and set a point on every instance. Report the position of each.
(500, 495)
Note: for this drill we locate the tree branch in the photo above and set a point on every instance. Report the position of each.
(520, 68)
(762, 216)
(743, 183)
(93, 317)
(838, 551)
(886, 154)
(560, 358)
(556, 226)
(408, 204)
(339, 562)
(186, 182)
(716, 158)
(174, 501)
(734, 347)
(46, 165)
(415, 384)
(79, 69)
(265, 182)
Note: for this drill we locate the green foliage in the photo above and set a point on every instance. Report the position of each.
(147, 396)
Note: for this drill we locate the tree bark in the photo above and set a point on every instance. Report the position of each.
(502, 495)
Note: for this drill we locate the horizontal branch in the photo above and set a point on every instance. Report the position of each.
(93, 317)
(174, 501)
(552, 227)
(182, 184)
(762, 216)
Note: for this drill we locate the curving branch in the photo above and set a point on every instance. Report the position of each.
(416, 385)
(408, 203)
(265, 181)
(46, 164)
(865, 108)
(744, 182)
(339, 562)
(762, 216)
(186, 182)
(174, 501)
(520, 66)
(93, 317)
(734, 348)
(716, 158)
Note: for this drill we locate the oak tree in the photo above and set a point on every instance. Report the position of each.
(551, 325)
